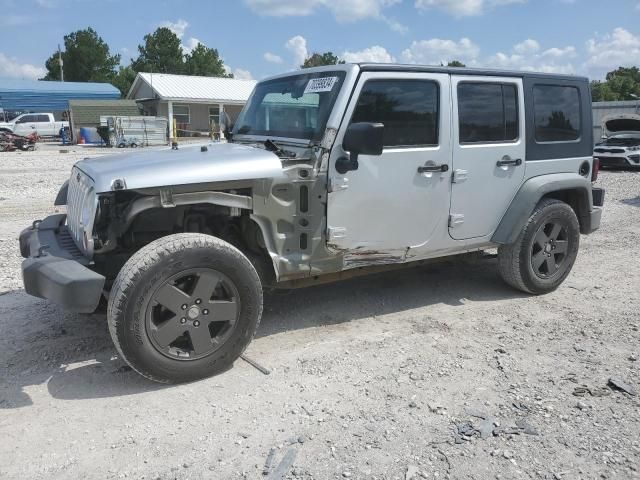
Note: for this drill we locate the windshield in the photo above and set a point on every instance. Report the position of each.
(297, 106)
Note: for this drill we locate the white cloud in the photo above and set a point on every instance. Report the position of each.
(10, 67)
(376, 54)
(272, 58)
(238, 73)
(527, 56)
(394, 25)
(241, 74)
(461, 8)
(619, 48)
(527, 47)
(436, 51)
(343, 10)
(298, 47)
(559, 53)
(189, 45)
(178, 27)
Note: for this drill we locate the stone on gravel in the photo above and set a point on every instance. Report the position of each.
(413, 473)
(616, 383)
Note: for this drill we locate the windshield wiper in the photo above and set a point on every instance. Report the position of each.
(271, 146)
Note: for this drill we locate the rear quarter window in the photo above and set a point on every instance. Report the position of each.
(556, 113)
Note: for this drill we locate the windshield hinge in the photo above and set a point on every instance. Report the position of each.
(456, 219)
(338, 183)
(336, 233)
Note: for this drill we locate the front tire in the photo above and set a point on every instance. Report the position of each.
(184, 307)
(544, 253)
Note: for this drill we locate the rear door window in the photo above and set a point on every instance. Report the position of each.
(487, 112)
(43, 118)
(557, 113)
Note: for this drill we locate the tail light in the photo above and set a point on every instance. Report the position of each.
(595, 168)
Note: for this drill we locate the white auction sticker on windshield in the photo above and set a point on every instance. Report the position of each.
(317, 85)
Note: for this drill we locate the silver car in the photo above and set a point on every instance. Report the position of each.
(329, 173)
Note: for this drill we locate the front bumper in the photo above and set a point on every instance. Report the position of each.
(55, 269)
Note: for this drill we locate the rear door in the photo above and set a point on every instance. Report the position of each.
(391, 203)
(488, 152)
(45, 125)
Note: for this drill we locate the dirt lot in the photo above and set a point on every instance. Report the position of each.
(387, 377)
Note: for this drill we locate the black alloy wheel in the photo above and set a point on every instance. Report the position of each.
(192, 313)
(549, 249)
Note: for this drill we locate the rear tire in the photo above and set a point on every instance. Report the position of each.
(544, 253)
(184, 307)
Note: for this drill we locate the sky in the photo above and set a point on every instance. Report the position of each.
(259, 38)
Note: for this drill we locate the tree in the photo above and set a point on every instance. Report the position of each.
(620, 84)
(86, 58)
(124, 79)
(206, 62)
(161, 53)
(455, 63)
(320, 59)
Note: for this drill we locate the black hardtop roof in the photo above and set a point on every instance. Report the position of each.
(395, 67)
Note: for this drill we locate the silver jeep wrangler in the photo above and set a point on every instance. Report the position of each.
(329, 172)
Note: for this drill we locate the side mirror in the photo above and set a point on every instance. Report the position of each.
(228, 132)
(360, 138)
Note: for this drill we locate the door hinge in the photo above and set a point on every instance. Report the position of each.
(456, 219)
(338, 183)
(336, 233)
(459, 175)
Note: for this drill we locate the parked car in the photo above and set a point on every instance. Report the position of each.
(620, 146)
(330, 173)
(44, 124)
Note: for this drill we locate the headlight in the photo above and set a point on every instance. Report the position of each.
(633, 149)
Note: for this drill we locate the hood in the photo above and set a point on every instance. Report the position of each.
(187, 165)
(620, 123)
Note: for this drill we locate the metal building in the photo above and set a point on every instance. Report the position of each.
(41, 96)
(604, 109)
(198, 104)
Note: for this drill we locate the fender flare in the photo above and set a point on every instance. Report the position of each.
(532, 191)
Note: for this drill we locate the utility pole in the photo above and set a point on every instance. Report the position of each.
(60, 63)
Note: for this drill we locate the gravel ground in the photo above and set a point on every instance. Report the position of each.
(439, 372)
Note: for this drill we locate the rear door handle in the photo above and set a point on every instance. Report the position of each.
(433, 168)
(507, 160)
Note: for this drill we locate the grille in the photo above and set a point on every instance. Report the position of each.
(80, 193)
(609, 150)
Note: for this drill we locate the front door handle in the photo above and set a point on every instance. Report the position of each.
(433, 168)
(507, 160)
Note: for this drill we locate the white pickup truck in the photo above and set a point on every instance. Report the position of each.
(43, 123)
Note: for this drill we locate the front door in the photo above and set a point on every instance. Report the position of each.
(391, 203)
(488, 152)
(26, 125)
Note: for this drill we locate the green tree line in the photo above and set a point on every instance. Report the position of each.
(620, 84)
(87, 58)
